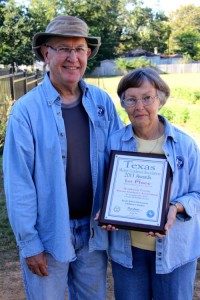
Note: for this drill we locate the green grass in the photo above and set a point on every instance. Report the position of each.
(187, 80)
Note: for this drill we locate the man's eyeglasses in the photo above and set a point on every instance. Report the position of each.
(131, 102)
(65, 51)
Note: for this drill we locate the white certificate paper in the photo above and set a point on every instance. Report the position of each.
(136, 190)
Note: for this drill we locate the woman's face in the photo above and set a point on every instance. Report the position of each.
(141, 116)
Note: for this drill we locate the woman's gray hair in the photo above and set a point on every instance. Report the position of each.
(137, 77)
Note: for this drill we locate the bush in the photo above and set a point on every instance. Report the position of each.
(190, 95)
(168, 114)
(129, 65)
(4, 113)
(177, 115)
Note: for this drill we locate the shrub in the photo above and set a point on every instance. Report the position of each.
(128, 65)
(4, 113)
(168, 114)
(186, 115)
(190, 95)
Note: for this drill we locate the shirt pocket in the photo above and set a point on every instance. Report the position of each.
(101, 129)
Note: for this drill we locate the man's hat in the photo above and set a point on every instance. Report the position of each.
(65, 26)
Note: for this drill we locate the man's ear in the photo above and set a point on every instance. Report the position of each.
(44, 51)
(89, 52)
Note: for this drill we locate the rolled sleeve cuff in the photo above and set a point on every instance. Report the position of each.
(31, 247)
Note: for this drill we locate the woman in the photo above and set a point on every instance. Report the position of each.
(154, 266)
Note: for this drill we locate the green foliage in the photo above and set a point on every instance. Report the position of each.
(168, 113)
(123, 26)
(191, 95)
(176, 115)
(7, 240)
(4, 112)
(185, 115)
(187, 42)
(16, 35)
(186, 59)
(123, 114)
(128, 65)
(143, 28)
(185, 34)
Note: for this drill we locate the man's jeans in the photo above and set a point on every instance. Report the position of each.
(85, 277)
(142, 283)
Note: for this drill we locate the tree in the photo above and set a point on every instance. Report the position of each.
(144, 29)
(185, 37)
(2, 5)
(16, 32)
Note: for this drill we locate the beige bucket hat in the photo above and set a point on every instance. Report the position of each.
(65, 26)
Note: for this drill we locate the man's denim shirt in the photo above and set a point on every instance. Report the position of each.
(34, 164)
(182, 242)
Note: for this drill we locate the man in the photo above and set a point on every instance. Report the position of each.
(54, 169)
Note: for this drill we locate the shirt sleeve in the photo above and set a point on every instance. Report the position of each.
(191, 199)
(20, 191)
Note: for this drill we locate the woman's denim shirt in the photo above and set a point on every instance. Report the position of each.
(182, 242)
(34, 164)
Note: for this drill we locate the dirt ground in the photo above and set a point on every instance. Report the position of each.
(11, 286)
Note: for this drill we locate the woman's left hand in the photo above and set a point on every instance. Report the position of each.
(171, 217)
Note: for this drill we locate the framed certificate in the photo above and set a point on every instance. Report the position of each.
(137, 192)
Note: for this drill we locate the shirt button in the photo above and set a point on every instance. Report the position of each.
(58, 113)
(159, 240)
(159, 253)
(62, 134)
(49, 103)
(63, 156)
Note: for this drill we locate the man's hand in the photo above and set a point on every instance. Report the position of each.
(37, 264)
(105, 227)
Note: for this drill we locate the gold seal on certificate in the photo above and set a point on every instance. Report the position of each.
(137, 191)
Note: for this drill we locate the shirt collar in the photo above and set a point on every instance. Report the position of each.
(170, 131)
(52, 95)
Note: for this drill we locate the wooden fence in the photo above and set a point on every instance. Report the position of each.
(13, 86)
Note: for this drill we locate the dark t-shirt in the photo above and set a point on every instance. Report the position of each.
(78, 172)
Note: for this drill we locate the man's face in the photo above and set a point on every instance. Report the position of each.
(66, 66)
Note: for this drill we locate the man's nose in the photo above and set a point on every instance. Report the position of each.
(72, 55)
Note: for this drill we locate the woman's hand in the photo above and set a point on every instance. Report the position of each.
(171, 217)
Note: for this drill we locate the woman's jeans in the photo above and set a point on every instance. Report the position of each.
(85, 277)
(142, 283)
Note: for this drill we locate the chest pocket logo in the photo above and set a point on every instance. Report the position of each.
(100, 110)
(180, 162)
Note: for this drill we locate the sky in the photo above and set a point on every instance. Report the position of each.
(169, 5)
